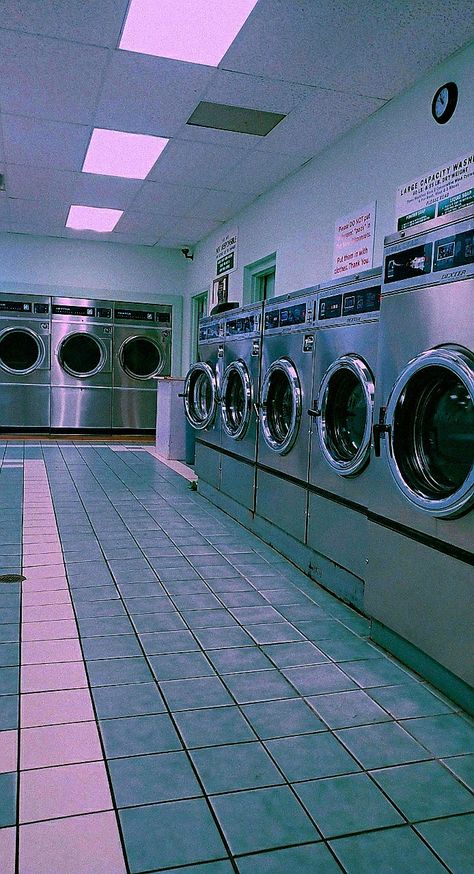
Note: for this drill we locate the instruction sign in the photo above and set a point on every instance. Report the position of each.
(439, 192)
(354, 241)
(226, 254)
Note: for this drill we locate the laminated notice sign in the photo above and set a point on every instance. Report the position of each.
(354, 241)
(226, 254)
(436, 193)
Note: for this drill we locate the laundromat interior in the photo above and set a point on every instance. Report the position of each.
(236, 437)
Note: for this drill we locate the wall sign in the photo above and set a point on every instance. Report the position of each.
(220, 290)
(354, 241)
(226, 254)
(441, 191)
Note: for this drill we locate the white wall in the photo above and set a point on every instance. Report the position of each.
(296, 219)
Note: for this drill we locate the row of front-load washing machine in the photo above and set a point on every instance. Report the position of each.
(71, 363)
(337, 422)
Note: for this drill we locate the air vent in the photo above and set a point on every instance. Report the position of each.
(235, 118)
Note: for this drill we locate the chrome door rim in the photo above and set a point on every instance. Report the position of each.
(282, 365)
(41, 350)
(460, 363)
(361, 371)
(206, 422)
(99, 367)
(240, 368)
(129, 373)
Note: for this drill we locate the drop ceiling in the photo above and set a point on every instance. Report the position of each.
(323, 64)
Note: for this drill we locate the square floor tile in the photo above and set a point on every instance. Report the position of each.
(94, 593)
(237, 766)
(153, 622)
(424, 791)
(97, 609)
(370, 673)
(7, 850)
(70, 845)
(275, 632)
(196, 693)
(8, 752)
(47, 612)
(48, 793)
(9, 654)
(381, 745)
(137, 735)
(314, 858)
(110, 672)
(9, 680)
(345, 650)
(155, 838)
(395, 849)
(110, 647)
(60, 745)
(256, 615)
(8, 712)
(8, 785)
(10, 632)
(344, 709)
(239, 659)
(55, 630)
(159, 642)
(342, 805)
(452, 839)
(311, 755)
(216, 725)
(49, 708)
(150, 779)
(315, 679)
(136, 699)
(179, 666)
(49, 678)
(221, 638)
(448, 735)
(286, 655)
(263, 818)
(259, 686)
(209, 619)
(409, 700)
(107, 625)
(204, 601)
(282, 718)
(249, 598)
(463, 767)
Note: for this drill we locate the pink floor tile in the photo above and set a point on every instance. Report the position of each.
(42, 548)
(8, 752)
(36, 538)
(47, 612)
(47, 584)
(71, 789)
(81, 845)
(52, 558)
(52, 708)
(37, 652)
(56, 630)
(7, 851)
(46, 596)
(60, 745)
(53, 677)
(40, 573)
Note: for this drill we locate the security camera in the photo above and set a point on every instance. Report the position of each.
(187, 254)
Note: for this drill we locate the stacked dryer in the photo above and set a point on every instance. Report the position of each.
(420, 580)
(25, 355)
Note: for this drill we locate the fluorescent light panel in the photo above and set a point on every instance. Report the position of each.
(93, 218)
(199, 31)
(117, 153)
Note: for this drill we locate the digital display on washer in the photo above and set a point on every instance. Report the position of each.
(330, 307)
(271, 319)
(13, 306)
(41, 308)
(66, 310)
(243, 325)
(134, 315)
(163, 318)
(104, 313)
(408, 263)
(455, 251)
(366, 300)
(295, 315)
(213, 331)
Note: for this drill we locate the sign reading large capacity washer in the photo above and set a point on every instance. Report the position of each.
(438, 192)
(354, 241)
(226, 254)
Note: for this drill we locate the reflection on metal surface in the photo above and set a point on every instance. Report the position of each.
(22, 350)
(346, 399)
(236, 400)
(281, 406)
(200, 396)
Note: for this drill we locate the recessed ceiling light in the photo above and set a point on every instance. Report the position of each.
(117, 153)
(199, 31)
(93, 218)
(221, 116)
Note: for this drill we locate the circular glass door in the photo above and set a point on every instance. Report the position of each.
(430, 416)
(281, 406)
(141, 357)
(21, 350)
(81, 355)
(236, 400)
(345, 401)
(200, 396)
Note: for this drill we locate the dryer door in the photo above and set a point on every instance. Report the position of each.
(82, 355)
(236, 406)
(430, 423)
(200, 396)
(280, 406)
(345, 403)
(22, 350)
(141, 357)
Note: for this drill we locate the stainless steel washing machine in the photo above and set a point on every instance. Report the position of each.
(239, 398)
(25, 335)
(142, 351)
(420, 580)
(285, 396)
(343, 399)
(202, 388)
(81, 366)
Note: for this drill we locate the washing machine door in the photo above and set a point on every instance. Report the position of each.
(430, 426)
(280, 404)
(236, 400)
(345, 404)
(200, 396)
(141, 357)
(22, 350)
(82, 355)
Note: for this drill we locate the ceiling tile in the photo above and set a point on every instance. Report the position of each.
(143, 223)
(221, 205)
(32, 212)
(109, 191)
(97, 22)
(224, 138)
(161, 199)
(261, 170)
(185, 163)
(44, 143)
(256, 92)
(45, 184)
(51, 79)
(112, 237)
(188, 232)
(142, 94)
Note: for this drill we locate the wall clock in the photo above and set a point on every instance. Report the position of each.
(444, 102)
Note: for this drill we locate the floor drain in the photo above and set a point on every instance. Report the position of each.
(11, 578)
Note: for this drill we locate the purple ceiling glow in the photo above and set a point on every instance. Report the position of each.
(93, 218)
(199, 31)
(117, 153)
